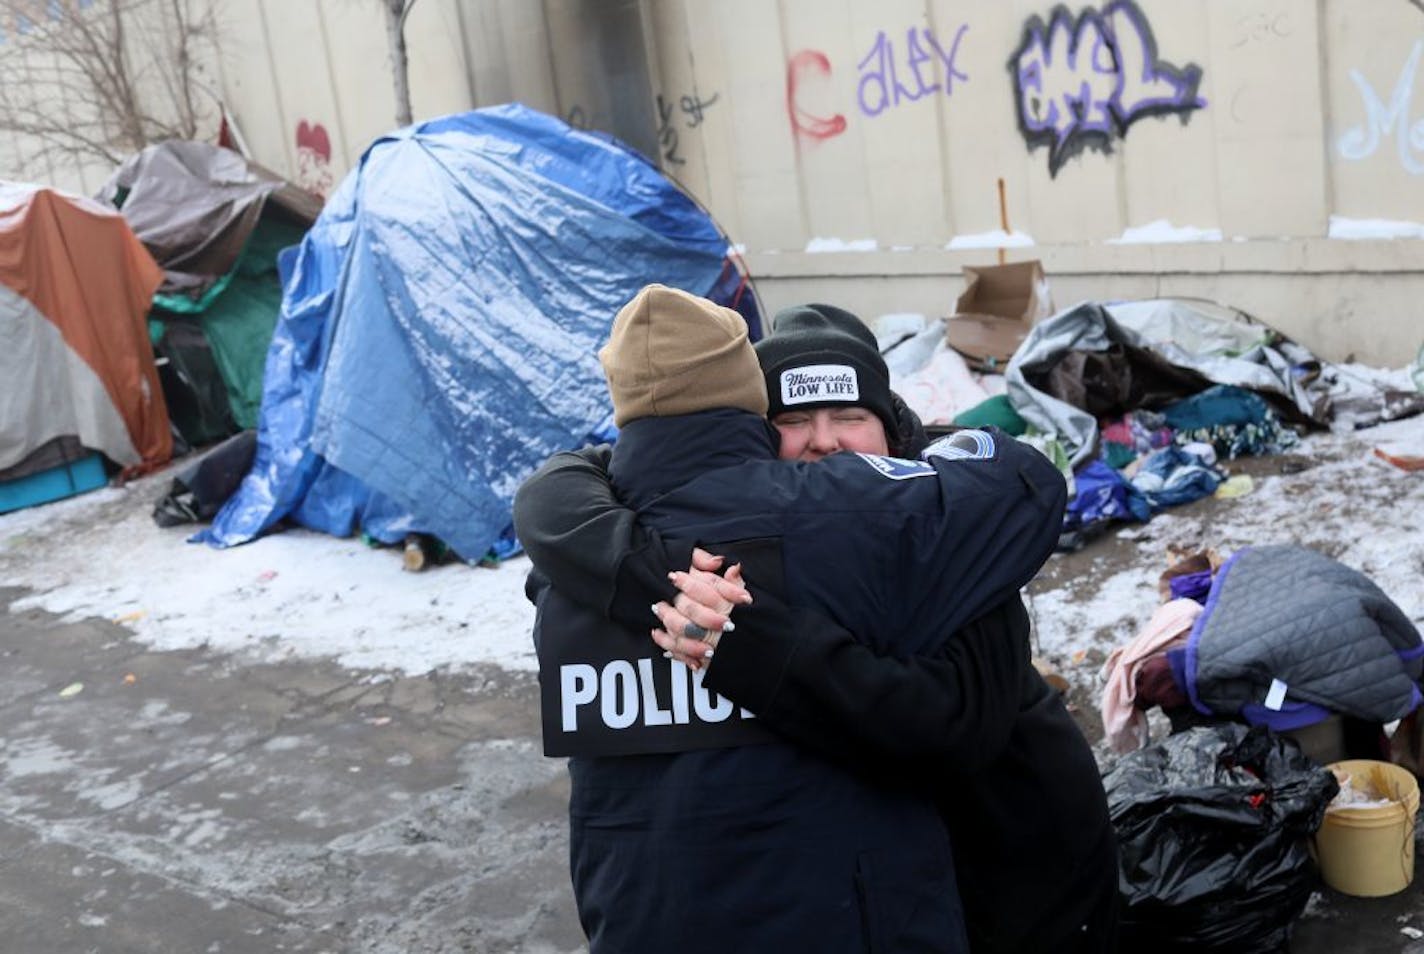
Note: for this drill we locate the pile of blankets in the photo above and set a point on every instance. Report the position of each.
(1228, 643)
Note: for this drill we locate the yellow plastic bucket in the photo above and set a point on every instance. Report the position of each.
(1368, 852)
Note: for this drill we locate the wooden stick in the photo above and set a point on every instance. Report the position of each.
(1003, 216)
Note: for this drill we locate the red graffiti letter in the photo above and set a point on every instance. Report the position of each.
(313, 136)
(313, 158)
(804, 123)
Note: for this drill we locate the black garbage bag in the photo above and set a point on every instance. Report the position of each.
(201, 488)
(1214, 826)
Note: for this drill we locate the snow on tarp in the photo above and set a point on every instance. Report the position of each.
(440, 325)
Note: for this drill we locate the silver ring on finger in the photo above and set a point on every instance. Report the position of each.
(692, 631)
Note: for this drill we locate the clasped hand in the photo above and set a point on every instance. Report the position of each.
(703, 604)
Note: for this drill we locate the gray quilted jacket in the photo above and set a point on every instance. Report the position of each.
(1289, 633)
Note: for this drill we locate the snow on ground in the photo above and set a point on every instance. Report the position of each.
(1347, 503)
(298, 593)
(290, 593)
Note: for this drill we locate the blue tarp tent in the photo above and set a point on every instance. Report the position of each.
(440, 324)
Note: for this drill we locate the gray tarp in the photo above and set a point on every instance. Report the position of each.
(1199, 336)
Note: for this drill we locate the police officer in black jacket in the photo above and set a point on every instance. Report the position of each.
(1015, 781)
(692, 827)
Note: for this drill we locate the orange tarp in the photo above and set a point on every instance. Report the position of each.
(80, 265)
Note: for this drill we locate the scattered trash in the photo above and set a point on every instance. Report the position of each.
(422, 550)
(1237, 485)
(1370, 791)
(133, 617)
(379, 720)
(130, 679)
(1051, 676)
(1407, 462)
(993, 315)
(414, 556)
(200, 488)
(266, 576)
(1411, 932)
(73, 689)
(1189, 573)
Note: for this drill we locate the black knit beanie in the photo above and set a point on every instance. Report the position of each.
(824, 356)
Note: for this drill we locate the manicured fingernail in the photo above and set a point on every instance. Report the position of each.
(667, 655)
(706, 654)
(728, 626)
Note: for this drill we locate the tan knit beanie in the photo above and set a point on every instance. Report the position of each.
(674, 353)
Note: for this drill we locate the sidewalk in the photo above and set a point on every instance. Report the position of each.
(187, 802)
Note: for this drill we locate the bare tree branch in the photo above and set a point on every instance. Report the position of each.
(94, 81)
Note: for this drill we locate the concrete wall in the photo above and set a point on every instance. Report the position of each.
(310, 83)
(855, 150)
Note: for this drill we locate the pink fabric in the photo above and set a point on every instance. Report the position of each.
(1120, 432)
(1124, 724)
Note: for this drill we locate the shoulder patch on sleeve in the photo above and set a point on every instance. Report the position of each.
(962, 445)
(896, 468)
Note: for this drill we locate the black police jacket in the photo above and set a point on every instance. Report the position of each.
(691, 840)
(1016, 782)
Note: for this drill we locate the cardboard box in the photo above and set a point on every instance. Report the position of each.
(999, 305)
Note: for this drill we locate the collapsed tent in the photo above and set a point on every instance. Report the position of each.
(1107, 359)
(440, 322)
(79, 374)
(214, 222)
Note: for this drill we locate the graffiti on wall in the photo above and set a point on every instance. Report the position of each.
(313, 158)
(881, 85)
(1255, 28)
(810, 69)
(692, 109)
(1388, 119)
(1081, 81)
(889, 75)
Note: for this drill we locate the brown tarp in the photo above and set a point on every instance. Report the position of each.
(193, 205)
(1112, 382)
(76, 265)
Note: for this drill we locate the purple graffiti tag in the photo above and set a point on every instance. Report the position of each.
(951, 72)
(880, 86)
(1080, 82)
